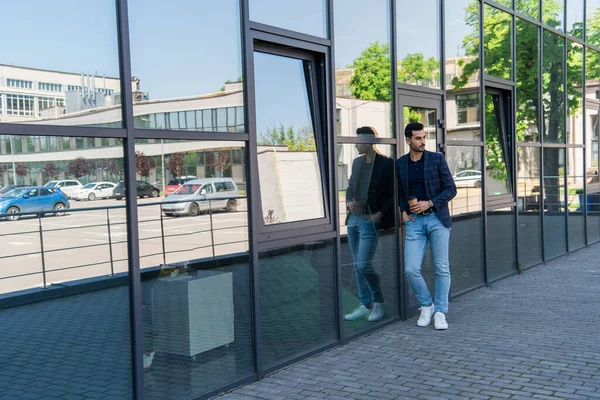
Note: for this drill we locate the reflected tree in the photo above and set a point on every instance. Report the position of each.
(50, 170)
(303, 140)
(372, 76)
(79, 167)
(175, 164)
(22, 169)
(144, 164)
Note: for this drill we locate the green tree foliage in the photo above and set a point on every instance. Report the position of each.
(294, 141)
(372, 77)
(415, 69)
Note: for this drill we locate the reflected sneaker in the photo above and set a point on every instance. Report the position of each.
(148, 359)
(439, 321)
(425, 318)
(359, 313)
(376, 312)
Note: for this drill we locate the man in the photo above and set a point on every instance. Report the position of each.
(370, 207)
(426, 176)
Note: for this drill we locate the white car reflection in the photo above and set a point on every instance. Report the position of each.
(468, 178)
(95, 190)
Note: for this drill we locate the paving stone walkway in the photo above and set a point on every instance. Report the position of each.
(536, 335)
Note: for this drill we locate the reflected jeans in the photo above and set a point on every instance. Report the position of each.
(427, 228)
(363, 239)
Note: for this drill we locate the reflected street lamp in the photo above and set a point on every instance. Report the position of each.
(12, 154)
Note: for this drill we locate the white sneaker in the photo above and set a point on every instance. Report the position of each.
(425, 318)
(359, 313)
(376, 312)
(439, 321)
(148, 359)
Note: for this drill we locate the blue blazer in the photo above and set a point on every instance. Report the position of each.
(439, 184)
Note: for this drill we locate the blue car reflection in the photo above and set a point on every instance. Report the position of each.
(33, 199)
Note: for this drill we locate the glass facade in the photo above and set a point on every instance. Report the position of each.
(184, 197)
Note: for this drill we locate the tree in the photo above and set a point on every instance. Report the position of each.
(79, 167)
(144, 164)
(221, 162)
(175, 164)
(110, 166)
(22, 169)
(415, 69)
(50, 170)
(372, 77)
(294, 141)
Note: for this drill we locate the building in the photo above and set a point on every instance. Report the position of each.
(117, 298)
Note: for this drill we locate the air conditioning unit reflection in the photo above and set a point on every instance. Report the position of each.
(469, 163)
(462, 165)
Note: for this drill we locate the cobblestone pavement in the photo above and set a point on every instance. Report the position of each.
(530, 336)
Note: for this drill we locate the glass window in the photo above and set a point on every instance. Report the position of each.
(592, 106)
(497, 45)
(501, 255)
(196, 297)
(176, 79)
(425, 116)
(306, 16)
(363, 193)
(45, 55)
(574, 93)
(592, 34)
(575, 18)
(529, 201)
(528, 101)
(528, 7)
(467, 230)
(462, 69)
(64, 286)
(287, 140)
(554, 203)
(418, 39)
(497, 147)
(363, 70)
(553, 12)
(575, 198)
(297, 300)
(553, 88)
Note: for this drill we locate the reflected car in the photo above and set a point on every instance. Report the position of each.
(144, 189)
(96, 190)
(8, 188)
(33, 199)
(200, 195)
(176, 183)
(468, 178)
(68, 186)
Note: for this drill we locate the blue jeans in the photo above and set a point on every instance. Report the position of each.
(362, 238)
(427, 228)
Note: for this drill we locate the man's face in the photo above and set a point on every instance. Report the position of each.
(417, 141)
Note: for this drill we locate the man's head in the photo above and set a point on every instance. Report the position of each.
(365, 132)
(415, 136)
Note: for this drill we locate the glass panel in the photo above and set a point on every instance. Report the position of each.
(287, 140)
(575, 199)
(553, 88)
(575, 18)
(467, 218)
(592, 127)
(307, 16)
(51, 74)
(574, 93)
(368, 250)
(497, 153)
(554, 204)
(528, 102)
(592, 22)
(553, 13)
(196, 308)
(363, 76)
(462, 70)
(505, 3)
(428, 118)
(171, 76)
(529, 205)
(64, 294)
(418, 39)
(501, 255)
(297, 300)
(497, 45)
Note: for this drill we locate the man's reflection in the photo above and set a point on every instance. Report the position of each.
(370, 207)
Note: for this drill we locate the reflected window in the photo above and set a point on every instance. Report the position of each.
(497, 146)
(497, 43)
(305, 16)
(574, 103)
(575, 18)
(418, 51)
(592, 34)
(554, 203)
(527, 65)
(553, 12)
(287, 139)
(553, 88)
(529, 8)
(173, 77)
(529, 199)
(464, 163)
(467, 108)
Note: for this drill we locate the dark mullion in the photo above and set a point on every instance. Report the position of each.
(566, 120)
(499, 6)
(190, 135)
(584, 126)
(513, 139)
(482, 152)
(58, 130)
(133, 259)
(258, 26)
(542, 131)
(369, 140)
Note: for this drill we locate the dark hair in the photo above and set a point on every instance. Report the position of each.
(367, 130)
(410, 128)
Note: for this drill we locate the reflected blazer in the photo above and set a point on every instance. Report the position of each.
(439, 184)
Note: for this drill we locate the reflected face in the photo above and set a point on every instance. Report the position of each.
(363, 148)
(417, 141)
